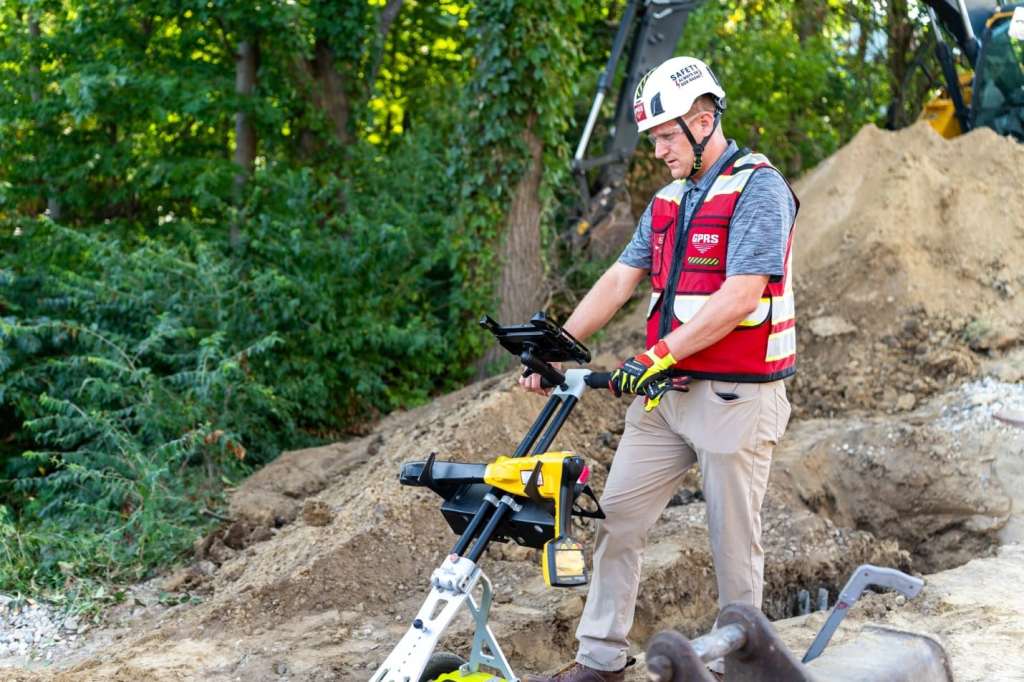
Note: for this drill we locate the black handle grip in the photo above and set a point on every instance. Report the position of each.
(593, 380)
(548, 374)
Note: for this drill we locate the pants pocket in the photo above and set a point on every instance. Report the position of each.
(732, 392)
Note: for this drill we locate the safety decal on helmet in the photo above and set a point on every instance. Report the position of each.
(638, 111)
(687, 74)
(656, 107)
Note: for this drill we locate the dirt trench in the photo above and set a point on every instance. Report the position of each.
(893, 458)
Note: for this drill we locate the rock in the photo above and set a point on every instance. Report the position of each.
(205, 568)
(237, 535)
(906, 402)
(1011, 417)
(264, 507)
(316, 513)
(179, 580)
(260, 534)
(219, 552)
(570, 608)
(955, 362)
(830, 325)
(509, 551)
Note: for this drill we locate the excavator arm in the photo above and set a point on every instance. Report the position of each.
(647, 35)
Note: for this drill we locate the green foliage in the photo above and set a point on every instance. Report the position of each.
(141, 375)
(364, 297)
(421, 64)
(795, 97)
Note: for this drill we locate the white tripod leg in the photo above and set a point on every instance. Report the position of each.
(451, 587)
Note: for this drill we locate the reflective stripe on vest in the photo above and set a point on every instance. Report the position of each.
(686, 306)
(781, 345)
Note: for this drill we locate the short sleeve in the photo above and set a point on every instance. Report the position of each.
(760, 225)
(637, 253)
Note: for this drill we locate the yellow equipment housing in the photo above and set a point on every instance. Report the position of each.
(548, 476)
(941, 113)
(457, 676)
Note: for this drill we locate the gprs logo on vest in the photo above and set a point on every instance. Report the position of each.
(704, 241)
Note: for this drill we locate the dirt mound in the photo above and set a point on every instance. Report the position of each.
(909, 261)
(943, 480)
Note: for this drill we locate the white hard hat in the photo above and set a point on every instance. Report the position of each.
(668, 91)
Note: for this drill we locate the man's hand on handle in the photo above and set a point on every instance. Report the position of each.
(532, 382)
(633, 373)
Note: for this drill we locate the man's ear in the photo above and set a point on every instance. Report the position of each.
(707, 122)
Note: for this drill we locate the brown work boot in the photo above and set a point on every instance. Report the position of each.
(577, 672)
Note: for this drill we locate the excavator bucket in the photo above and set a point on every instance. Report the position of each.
(754, 652)
(885, 655)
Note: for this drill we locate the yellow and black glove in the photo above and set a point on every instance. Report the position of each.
(659, 386)
(631, 376)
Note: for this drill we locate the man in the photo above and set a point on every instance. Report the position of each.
(715, 244)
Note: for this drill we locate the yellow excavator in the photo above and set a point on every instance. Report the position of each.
(988, 91)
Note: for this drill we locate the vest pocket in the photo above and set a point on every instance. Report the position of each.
(659, 231)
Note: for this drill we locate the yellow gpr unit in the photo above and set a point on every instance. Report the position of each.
(550, 476)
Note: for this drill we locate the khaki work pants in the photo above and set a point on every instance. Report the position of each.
(732, 439)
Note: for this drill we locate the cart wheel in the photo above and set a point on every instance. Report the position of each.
(440, 663)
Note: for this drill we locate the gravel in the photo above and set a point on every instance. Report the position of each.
(977, 403)
(32, 630)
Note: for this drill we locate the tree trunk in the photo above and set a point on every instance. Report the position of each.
(325, 90)
(330, 90)
(384, 22)
(246, 64)
(33, 33)
(521, 289)
(901, 38)
(809, 18)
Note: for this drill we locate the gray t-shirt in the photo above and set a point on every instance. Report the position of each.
(758, 231)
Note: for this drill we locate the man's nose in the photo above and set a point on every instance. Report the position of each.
(660, 149)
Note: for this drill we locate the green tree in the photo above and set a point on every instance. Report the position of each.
(511, 155)
(799, 76)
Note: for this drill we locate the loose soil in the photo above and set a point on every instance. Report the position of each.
(908, 265)
(909, 262)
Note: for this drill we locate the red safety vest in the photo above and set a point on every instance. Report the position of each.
(688, 265)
